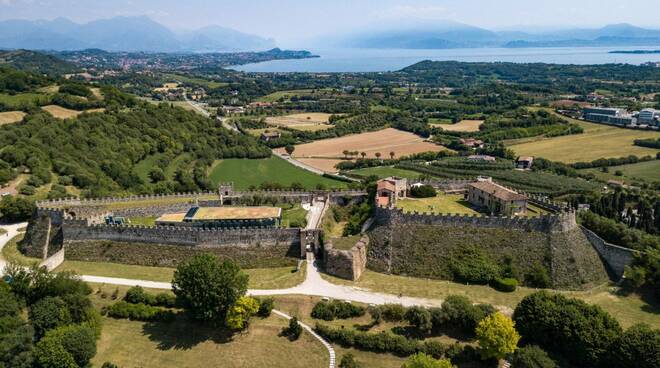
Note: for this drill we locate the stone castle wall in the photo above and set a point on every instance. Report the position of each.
(616, 257)
(346, 264)
(560, 222)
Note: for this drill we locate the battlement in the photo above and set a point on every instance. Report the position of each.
(559, 222)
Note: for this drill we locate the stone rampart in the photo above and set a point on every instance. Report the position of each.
(560, 222)
(615, 257)
(347, 264)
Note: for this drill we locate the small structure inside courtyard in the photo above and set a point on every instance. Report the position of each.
(389, 190)
(496, 199)
(224, 217)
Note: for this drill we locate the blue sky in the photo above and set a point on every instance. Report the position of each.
(292, 21)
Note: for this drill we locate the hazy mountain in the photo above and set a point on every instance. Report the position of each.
(123, 34)
(454, 35)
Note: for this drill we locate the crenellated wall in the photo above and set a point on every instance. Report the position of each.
(559, 222)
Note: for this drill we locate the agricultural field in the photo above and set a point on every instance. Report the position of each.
(325, 164)
(597, 141)
(645, 171)
(440, 204)
(312, 121)
(461, 126)
(64, 113)
(18, 100)
(382, 141)
(184, 343)
(186, 79)
(246, 173)
(276, 96)
(11, 117)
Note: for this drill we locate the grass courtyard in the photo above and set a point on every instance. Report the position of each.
(628, 309)
(440, 204)
(246, 173)
(187, 344)
(260, 278)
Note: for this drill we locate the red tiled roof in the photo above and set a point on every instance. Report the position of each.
(498, 191)
(387, 185)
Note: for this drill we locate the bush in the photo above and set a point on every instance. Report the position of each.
(506, 285)
(48, 313)
(70, 346)
(137, 295)
(293, 330)
(638, 347)
(424, 191)
(265, 307)
(348, 361)
(421, 360)
(240, 313)
(470, 264)
(420, 318)
(538, 277)
(139, 312)
(393, 312)
(531, 357)
(328, 311)
(458, 312)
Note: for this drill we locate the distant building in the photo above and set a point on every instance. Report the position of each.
(224, 217)
(524, 162)
(615, 183)
(496, 199)
(471, 142)
(233, 109)
(268, 136)
(481, 158)
(389, 190)
(607, 115)
(649, 116)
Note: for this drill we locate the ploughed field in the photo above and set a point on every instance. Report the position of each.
(328, 151)
(461, 126)
(308, 121)
(64, 113)
(10, 117)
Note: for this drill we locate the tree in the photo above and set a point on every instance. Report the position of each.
(392, 155)
(293, 330)
(48, 313)
(208, 288)
(531, 357)
(497, 336)
(239, 315)
(156, 175)
(581, 333)
(289, 148)
(15, 209)
(421, 360)
(363, 154)
(638, 347)
(378, 155)
(345, 152)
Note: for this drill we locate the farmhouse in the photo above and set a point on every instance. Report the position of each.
(486, 158)
(496, 199)
(268, 136)
(471, 142)
(524, 162)
(224, 217)
(389, 190)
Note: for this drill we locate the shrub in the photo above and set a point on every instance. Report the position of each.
(460, 313)
(48, 313)
(470, 264)
(348, 361)
(421, 360)
(393, 312)
(328, 311)
(139, 312)
(137, 295)
(538, 277)
(70, 346)
(265, 307)
(293, 330)
(531, 357)
(506, 285)
(638, 347)
(239, 314)
(420, 318)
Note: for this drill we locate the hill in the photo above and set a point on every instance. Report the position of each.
(123, 34)
(36, 62)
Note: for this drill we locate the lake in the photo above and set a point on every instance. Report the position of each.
(379, 60)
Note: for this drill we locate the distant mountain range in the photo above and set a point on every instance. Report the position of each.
(446, 35)
(124, 34)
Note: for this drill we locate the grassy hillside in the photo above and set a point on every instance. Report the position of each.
(647, 171)
(247, 173)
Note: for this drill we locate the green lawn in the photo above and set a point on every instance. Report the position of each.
(245, 173)
(345, 243)
(192, 80)
(646, 171)
(11, 254)
(276, 96)
(386, 171)
(628, 310)
(442, 203)
(260, 278)
(293, 215)
(143, 221)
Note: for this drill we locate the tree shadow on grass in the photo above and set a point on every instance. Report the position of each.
(184, 333)
(650, 297)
